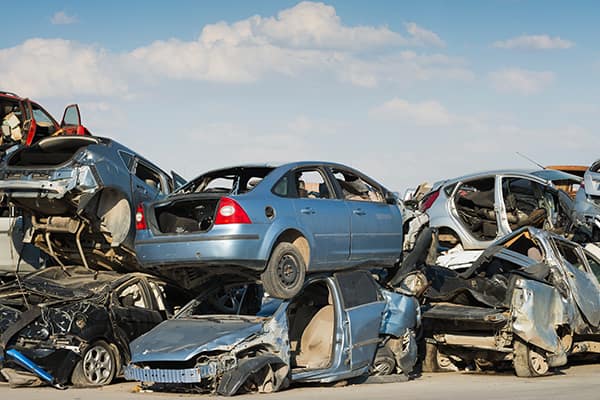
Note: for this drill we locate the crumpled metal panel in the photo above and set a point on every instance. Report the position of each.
(538, 309)
(401, 312)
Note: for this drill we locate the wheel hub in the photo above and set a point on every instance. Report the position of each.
(287, 270)
(98, 365)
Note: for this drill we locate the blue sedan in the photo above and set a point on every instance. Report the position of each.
(276, 223)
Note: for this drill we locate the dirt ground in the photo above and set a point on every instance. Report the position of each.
(576, 382)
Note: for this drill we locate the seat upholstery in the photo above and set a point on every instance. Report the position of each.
(317, 339)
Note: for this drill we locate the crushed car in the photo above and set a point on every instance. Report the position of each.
(474, 210)
(587, 200)
(273, 223)
(530, 300)
(24, 122)
(80, 193)
(63, 325)
(338, 327)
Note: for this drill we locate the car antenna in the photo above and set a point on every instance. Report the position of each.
(530, 160)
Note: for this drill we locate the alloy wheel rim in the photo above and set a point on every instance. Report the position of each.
(538, 362)
(98, 365)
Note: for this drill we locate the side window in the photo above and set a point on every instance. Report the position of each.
(127, 159)
(357, 288)
(356, 188)
(474, 201)
(44, 123)
(132, 296)
(594, 263)
(570, 254)
(310, 183)
(281, 187)
(525, 202)
(149, 176)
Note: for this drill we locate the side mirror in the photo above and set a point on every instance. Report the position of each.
(390, 198)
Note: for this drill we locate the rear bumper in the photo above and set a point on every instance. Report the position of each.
(236, 250)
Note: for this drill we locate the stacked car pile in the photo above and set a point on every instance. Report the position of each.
(252, 277)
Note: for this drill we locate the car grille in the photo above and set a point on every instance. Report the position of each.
(188, 375)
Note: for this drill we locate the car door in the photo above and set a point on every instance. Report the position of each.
(71, 121)
(376, 226)
(133, 309)
(584, 285)
(322, 216)
(146, 182)
(363, 309)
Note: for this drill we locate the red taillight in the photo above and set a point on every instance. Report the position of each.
(428, 201)
(140, 220)
(230, 212)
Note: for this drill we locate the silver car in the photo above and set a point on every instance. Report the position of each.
(587, 200)
(474, 210)
(275, 223)
(532, 299)
(338, 327)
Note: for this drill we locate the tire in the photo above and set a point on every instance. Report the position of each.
(528, 361)
(97, 367)
(384, 362)
(434, 361)
(284, 276)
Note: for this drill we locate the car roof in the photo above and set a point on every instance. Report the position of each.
(518, 172)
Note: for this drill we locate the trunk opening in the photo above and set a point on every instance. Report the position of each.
(50, 152)
(186, 216)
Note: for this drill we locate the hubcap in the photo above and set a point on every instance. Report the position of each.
(287, 270)
(383, 368)
(538, 362)
(98, 365)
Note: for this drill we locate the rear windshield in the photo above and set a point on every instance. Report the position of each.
(227, 181)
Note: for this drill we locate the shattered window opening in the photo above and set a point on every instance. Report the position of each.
(475, 201)
(356, 188)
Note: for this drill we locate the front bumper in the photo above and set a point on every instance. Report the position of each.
(159, 375)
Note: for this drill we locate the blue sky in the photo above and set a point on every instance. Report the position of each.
(405, 91)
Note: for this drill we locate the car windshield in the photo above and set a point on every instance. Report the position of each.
(235, 299)
(235, 180)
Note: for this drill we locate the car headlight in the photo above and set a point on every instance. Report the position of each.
(414, 284)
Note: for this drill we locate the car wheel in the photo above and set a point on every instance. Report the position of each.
(284, 276)
(97, 367)
(528, 361)
(384, 362)
(434, 361)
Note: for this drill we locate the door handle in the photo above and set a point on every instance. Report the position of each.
(307, 210)
(359, 211)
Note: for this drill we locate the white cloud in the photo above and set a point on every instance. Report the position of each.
(307, 40)
(62, 18)
(521, 81)
(534, 42)
(427, 113)
(57, 67)
(424, 36)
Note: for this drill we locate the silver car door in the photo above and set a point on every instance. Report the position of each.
(585, 287)
(363, 311)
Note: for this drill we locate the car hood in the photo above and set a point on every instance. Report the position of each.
(182, 339)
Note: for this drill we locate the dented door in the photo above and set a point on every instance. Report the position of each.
(363, 309)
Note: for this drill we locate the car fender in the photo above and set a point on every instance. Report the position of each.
(275, 231)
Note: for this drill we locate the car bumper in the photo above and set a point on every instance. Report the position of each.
(240, 249)
(55, 185)
(159, 375)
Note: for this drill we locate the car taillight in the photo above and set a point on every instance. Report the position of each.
(230, 212)
(428, 201)
(140, 220)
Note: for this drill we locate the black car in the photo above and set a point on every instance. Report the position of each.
(73, 325)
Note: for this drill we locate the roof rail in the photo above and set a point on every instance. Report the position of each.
(9, 93)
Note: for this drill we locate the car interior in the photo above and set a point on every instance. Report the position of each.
(474, 201)
(311, 317)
